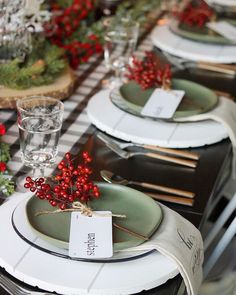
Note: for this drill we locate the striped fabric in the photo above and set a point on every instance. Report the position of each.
(76, 126)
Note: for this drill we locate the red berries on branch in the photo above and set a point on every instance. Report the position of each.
(3, 166)
(72, 183)
(148, 73)
(197, 14)
(2, 129)
(70, 29)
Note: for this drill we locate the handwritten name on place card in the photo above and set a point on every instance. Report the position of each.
(162, 103)
(91, 237)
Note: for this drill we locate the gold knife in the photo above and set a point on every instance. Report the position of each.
(172, 199)
(219, 68)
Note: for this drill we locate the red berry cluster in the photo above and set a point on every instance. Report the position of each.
(67, 30)
(3, 166)
(72, 183)
(149, 73)
(2, 129)
(197, 14)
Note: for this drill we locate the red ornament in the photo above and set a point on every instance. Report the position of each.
(149, 73)
(3, 166)
(72, 183)
(2, 129)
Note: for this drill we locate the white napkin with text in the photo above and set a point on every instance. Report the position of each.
(181, 241)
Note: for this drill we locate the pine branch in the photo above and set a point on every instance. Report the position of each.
(4, 152)
(43, 65)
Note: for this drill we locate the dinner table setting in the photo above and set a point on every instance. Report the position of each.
(117, 133)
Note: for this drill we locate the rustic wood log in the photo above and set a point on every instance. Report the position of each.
(61, 89)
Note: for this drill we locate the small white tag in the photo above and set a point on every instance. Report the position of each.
(91, 237)
(223, 28)
(162, 103)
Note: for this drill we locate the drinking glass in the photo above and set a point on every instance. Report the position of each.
(39, 120)
(120, 42)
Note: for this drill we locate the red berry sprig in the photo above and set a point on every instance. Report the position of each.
(72, 183)
(70, 29)
(195, 14)
(148, 73)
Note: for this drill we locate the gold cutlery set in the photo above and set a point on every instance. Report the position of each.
(177, 196)
(184, 158)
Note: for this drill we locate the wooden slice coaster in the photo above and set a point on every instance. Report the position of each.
(61, 89)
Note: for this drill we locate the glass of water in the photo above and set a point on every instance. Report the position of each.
(39, 120)
(120, 43)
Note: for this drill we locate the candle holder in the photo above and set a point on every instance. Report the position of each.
(15, 39)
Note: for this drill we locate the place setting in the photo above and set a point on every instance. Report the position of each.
(132, 114)
(146, 85)
(192, 23)
(198, 32)
(43, 220)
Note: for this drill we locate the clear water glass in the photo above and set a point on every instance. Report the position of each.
(120, 43)
(39, 120)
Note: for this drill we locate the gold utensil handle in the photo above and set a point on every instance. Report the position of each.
(220, 68)
(185, 154)
(166, 189)
(182, 162)
(172, 199)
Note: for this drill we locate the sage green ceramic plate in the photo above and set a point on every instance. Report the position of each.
(204, 34)
(143, 216)
(198, 99)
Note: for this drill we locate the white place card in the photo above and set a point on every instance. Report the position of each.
(163, 103)
(91, 237)
(223, 28)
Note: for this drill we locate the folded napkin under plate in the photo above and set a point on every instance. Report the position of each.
(225, 114)
(179, 240)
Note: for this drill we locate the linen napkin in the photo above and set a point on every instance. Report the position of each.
(224, 113)
(181, 241)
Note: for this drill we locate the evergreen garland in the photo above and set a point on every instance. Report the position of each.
(73, 41)
(136, 9)
(41, 67)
